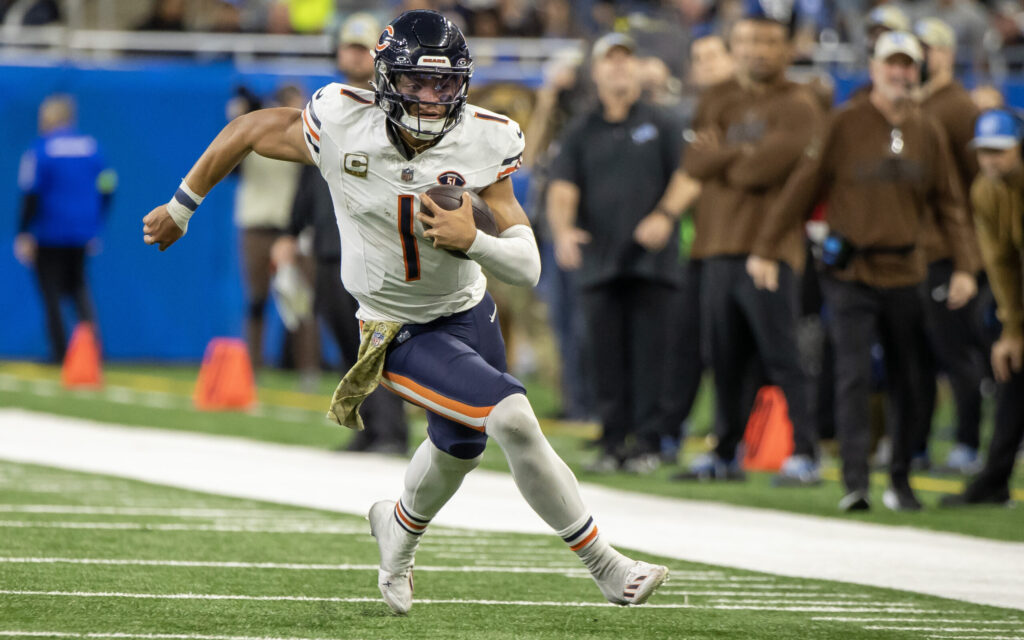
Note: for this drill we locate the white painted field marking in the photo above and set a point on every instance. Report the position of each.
(768, 589)
(440, 540)
(754, 594)
(516, 603)
(724, 579)
(905, 558)
(819, 609)
(162, 400)
(911, 620)
(339, 529)
(535, 546)
(939, 629)
(121, 395)
(835, 603)
(476, 555)
(296, 415)
(43, 388)
(285, 566)
(978, 637)
(179, 512)
(151, 636)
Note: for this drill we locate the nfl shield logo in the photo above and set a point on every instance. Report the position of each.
(407, 174)
(377, 339)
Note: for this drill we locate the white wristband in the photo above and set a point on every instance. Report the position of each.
(183, 205)
(512, 257)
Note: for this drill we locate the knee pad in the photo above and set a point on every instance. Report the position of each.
(512, 420)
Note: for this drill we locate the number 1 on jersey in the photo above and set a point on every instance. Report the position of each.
(406, 227)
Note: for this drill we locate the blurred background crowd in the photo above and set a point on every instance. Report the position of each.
(640, 292)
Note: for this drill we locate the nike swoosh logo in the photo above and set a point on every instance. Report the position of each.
(493, 315)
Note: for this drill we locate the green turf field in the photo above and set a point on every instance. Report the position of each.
(160, 397)
(90, 556)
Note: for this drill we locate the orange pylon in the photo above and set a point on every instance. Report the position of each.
(225, 378)
(769, 434)
(82, 366)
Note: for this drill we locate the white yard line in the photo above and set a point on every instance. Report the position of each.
(754, 594)
(913, 620)
(439, 545)
(426, 601)
(285, 566)
(147, 636)
(175, 512)
(765, 589)
(935, 629)
(977, 637)
(838, 602)
(331, 529)
(943, 564)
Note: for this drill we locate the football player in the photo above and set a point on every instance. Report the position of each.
(379, 151)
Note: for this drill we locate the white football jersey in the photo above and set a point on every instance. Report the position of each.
(386, 263)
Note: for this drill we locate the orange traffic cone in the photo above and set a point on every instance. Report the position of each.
(769, 435)
(82, 361)
(225, 378)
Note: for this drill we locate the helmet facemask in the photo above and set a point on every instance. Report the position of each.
(400, 92)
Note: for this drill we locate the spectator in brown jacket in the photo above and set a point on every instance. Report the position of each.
(750, 132)
(998, 198)
(955, 342)
(885, 166)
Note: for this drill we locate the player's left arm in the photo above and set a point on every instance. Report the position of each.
(512, 256)
(503, 204)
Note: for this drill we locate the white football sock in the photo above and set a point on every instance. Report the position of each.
(584, 539)
(431, 479)
(542, 477)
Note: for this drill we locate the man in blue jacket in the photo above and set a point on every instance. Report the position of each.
(66, 189)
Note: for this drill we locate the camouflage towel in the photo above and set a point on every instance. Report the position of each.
(365, 374)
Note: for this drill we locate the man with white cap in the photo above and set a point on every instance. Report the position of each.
(999, 218)
(881, 166)
(883, 19)
(611, 224)
(955, 343)
(357, 38)
(383, 412)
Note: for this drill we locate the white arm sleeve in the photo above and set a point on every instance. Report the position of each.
(512, 256)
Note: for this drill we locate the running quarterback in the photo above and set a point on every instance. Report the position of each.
(429, 328)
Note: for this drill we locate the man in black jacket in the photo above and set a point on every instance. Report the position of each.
(610, 224)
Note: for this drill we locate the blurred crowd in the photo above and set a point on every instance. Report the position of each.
(702, 214)
(826, 252)
(980, 25)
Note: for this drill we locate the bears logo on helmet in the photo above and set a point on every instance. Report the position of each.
(384, 41)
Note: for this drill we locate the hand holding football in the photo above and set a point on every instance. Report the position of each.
(449, 198)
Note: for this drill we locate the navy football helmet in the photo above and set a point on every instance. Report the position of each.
(422, 49)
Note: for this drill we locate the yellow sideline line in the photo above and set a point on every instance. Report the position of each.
(921, 483)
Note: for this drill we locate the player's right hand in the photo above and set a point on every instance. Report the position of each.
(159, 228)
(764, 273)
(25, 249)
(1007, 357)
(567, 248)
(283, 251)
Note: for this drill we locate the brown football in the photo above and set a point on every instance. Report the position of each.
(450, 197)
